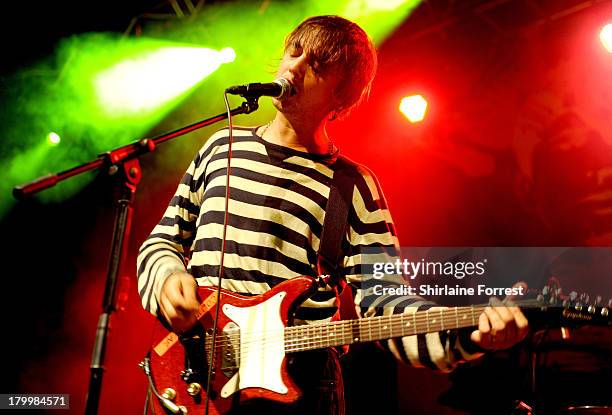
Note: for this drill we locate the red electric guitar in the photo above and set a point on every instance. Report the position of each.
(254, 337)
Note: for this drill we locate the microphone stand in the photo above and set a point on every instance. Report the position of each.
(123, 163)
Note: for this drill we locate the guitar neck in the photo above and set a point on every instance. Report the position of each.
(339, 333)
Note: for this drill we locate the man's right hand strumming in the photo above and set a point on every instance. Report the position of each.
(178, 301)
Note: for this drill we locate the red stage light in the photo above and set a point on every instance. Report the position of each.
(413, 107)
(606, 37)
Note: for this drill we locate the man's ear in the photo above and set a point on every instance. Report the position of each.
(337, 108)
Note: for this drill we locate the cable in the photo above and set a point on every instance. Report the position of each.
(223, 240)
(166, 403)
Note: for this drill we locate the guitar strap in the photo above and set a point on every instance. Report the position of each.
(335, 227)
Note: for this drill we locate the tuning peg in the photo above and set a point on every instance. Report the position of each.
(573, 295)
(591, 309)
(584, 298)
(598, 300)
(546, 290)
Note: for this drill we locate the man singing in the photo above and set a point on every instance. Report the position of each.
(279, 187)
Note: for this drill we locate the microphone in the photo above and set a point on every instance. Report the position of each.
(280, 89)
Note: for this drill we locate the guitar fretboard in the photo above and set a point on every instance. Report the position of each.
(338, 333)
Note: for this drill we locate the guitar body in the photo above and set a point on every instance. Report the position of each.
(253, 338)
(258, 370)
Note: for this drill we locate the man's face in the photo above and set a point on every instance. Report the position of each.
(314, 86)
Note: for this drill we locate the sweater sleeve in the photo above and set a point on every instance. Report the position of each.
(372, 238)
(166, 250)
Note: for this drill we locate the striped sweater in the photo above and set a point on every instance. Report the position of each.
(276, 210)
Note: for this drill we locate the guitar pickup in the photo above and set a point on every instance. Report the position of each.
(229, 348)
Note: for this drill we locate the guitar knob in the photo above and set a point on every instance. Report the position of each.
(194, 389)
(604, 312)
(186, 374)
(169, 394)
(591, 309)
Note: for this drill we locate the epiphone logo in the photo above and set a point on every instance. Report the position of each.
(576, 315)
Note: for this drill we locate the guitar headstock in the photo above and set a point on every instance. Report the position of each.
(553, 307)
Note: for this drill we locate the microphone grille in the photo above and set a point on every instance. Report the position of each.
(286, 88)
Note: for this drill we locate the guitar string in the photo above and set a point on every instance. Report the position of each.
(322, 341)
(316, 339)
(394, 320)
(394, 323)
(421, 316)
(258, 338)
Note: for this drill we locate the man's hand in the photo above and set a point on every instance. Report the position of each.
(500, 326)
(178, 301)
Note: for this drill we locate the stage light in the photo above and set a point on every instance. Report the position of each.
(413, 107)
(53, 138)
(606, 37)
(149, 81)
(227, 55)
(384, 4)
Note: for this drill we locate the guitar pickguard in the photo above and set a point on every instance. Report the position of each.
(262, 346)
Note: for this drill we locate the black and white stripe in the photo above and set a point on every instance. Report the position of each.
(276, 211)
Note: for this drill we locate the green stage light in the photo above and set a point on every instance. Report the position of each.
(53, 138)
(77, 91)
(148, 81)
(384, 4)
(378, 17)
(227, 55)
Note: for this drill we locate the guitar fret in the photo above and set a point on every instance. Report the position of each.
(322, 337)
(472, 312)
(337, 333)
(362, 331)
(456, 316)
